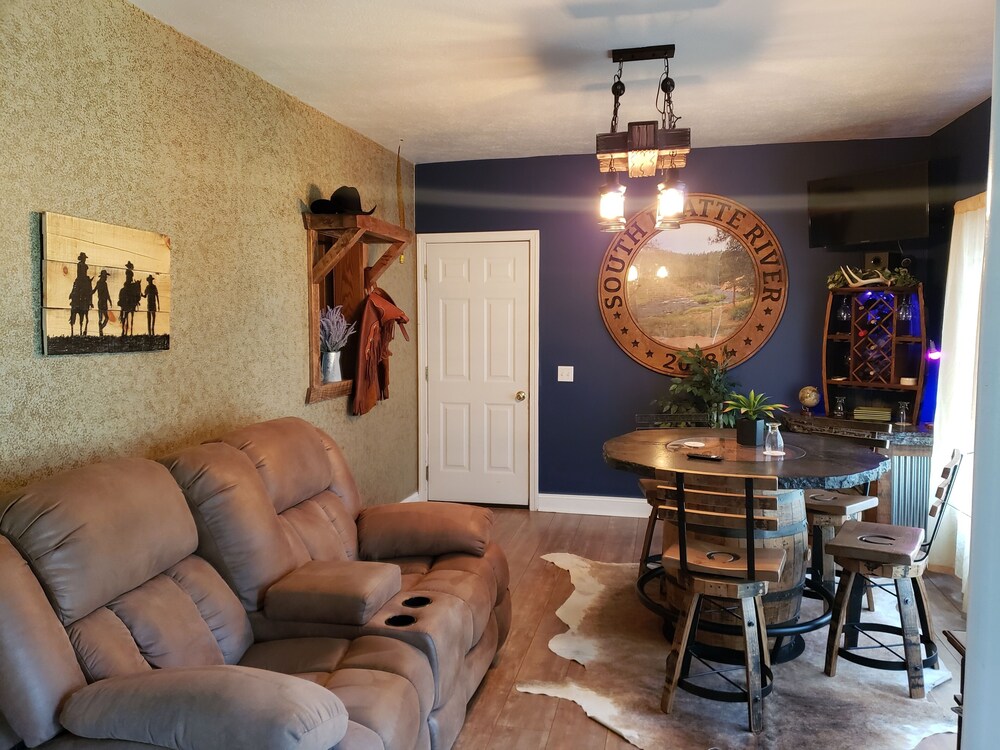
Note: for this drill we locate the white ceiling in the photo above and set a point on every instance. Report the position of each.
(469, 79)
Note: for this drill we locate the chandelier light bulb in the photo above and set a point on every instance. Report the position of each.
(671, 194)
(612, 208)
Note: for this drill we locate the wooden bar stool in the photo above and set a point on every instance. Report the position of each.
(648, 486)
(656, 513)
(873, 550)
(827, 512)
(708, 507)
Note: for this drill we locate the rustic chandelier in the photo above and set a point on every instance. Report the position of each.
(645, 148)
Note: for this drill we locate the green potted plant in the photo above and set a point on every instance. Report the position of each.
(333, 335)
(750, 412)
(701, 391)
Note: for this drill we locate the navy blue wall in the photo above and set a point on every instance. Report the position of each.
(557, 196)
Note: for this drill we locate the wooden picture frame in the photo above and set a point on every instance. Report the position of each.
(105, 288)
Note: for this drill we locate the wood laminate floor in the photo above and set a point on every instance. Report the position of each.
(500, 718)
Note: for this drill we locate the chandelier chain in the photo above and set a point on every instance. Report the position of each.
(666, 106)
(617, 88)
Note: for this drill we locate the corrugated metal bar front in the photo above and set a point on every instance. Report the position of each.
(911, 490)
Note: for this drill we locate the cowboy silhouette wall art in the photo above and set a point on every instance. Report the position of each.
(87, 265)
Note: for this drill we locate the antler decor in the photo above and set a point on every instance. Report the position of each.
(854, 278)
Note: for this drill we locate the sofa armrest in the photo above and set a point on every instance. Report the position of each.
(208, 708)
(341, 592)
(408, 529)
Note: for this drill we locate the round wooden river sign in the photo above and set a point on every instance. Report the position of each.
(719, 282)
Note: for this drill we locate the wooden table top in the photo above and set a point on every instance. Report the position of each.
(819, 461)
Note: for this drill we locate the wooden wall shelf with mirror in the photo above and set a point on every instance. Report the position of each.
(337, 246)
(874, 352)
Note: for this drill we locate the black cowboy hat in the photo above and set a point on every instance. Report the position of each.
(104, 273)
(149, 278)
(345, 200)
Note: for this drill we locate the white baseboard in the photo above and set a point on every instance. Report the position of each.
(414, 498)
(593, 505)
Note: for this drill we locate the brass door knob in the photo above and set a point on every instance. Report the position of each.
(520, 396)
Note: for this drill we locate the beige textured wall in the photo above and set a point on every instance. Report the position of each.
(109, 115)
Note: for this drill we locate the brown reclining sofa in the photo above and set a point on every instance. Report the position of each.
(114, 634)
(279, 516)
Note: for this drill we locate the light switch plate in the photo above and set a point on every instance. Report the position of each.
(564, 374)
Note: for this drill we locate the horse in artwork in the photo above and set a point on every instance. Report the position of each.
(81, 297)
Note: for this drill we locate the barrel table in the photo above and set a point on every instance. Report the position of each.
(810, 461)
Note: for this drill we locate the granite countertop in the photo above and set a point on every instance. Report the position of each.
(909, 435)
(920, 435)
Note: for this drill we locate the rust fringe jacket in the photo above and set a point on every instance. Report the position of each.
(371, 383)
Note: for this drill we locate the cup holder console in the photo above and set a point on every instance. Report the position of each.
(400, 621)
(416, 601)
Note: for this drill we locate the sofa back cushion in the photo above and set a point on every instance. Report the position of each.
(320, 528)
(292, 461)
(304, 474)
(267, 499)
(110, 545)
(93, 533)
(342, 480)
(238, 530)
(38, 668)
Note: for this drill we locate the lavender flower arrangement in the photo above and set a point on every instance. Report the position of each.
(333, 329)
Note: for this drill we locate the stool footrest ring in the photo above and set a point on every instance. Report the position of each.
(726, 696)
(897, 664)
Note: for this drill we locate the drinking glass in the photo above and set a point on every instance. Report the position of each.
(839, 410)
(844, 311)
(905, 311)
(904, 412)
(774, 444)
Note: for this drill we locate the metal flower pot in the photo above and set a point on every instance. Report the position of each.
(330, 367)
(750, 431)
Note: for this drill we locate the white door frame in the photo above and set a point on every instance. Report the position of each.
(531, 236)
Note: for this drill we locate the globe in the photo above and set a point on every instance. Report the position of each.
(808, 397)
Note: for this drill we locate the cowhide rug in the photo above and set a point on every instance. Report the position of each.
(620, 644)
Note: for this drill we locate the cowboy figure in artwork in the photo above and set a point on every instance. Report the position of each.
(152, 296)
(129, 298)
(103, 300)
(81, 296)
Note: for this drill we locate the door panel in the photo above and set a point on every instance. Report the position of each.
(477, 362)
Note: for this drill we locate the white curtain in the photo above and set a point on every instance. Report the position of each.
(954, 421)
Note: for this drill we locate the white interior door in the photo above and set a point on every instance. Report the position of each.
(478, 379)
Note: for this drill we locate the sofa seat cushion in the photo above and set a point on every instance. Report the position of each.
(359, 737)
(316, 659)
(479, 582)
(384, 702)
(470, 589)
(491, 568)
(386, 685)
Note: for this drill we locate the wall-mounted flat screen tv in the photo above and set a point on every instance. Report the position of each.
(880, 206)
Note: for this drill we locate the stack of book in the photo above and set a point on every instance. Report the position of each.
(873, 413)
